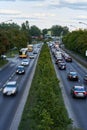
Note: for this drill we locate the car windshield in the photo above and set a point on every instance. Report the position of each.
(25, 60)
(10, 86)
(62, 63)
(20, 67)
(79, 89)
(73, 73)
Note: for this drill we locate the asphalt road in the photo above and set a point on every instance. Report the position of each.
(77, 108)
(8, 104)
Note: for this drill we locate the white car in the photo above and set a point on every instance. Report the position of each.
(25, 62)
(10, 88)
(3, 56)
(31, 56)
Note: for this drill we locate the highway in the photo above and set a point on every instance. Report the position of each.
(9, 104)
(78, 107)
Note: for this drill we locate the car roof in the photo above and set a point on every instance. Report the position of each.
(20, 66)
(11, 83)
(73, 72)
(25, 59)
(79, 86)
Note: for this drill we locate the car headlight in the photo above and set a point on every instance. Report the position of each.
(4, 91)
(13, 91)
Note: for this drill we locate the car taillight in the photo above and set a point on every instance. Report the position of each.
(84, 93)
(75, 92)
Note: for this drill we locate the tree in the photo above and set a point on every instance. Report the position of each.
(56, 30)
(35, 31)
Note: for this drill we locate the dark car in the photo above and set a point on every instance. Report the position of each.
(62, 65)
(68, 59)
(78, 92)
(85, 78)
(58, 60)
(20, 70)
(72, 76)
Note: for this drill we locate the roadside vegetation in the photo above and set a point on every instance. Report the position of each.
(3, 62)
(76, 41)
(44, 109)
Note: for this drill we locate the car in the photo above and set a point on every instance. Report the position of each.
(58, 60)
(68, 59)
(62, 66)
(72, 76)
(85, 78)
(10, 88)
(20, 69)
(3, 56)
(78, 91)
(25, 62)
(31, 56)
(35, 51)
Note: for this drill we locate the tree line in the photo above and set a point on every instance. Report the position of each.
(76, 41)
(14, 36)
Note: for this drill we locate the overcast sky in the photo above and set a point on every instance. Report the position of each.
(45, 13)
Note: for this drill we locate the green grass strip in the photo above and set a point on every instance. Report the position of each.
(44, 109)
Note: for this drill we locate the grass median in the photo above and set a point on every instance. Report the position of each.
(44, 109)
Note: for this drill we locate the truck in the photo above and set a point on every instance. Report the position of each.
(30, 47)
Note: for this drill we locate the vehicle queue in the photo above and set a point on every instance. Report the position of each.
(78, 90)
(11, 87)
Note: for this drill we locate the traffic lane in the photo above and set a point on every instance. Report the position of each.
(74, 66)
(79, 106)
(7, 72)
(81, 71)
(8, 105)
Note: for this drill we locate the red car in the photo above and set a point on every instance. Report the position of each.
(78, 92)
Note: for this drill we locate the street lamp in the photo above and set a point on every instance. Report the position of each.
(83, 23)
(73, 26)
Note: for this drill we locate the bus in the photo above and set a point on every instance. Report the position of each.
(23, 53)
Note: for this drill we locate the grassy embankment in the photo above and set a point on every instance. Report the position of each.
(10, 54)
(44, 109)
(3, 62)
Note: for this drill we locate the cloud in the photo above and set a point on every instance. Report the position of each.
(32, 0)
(9, 12)
(74, 4)
(81, 17)
(7, 0)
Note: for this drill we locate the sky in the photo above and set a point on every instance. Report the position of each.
(45, 13)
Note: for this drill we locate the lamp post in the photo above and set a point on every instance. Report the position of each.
(83, 23)
(75, 28)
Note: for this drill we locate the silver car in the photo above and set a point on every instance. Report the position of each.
(10, 88)
(25, 62)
